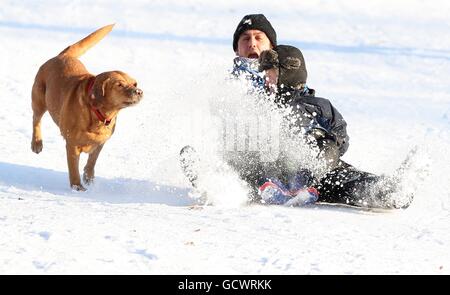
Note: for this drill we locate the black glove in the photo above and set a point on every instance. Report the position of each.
(327, 145)
(329, 152)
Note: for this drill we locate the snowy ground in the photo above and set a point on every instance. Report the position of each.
(384, 64)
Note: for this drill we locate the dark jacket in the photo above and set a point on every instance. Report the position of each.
(315, 117)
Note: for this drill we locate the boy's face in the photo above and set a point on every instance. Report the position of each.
(251, 43)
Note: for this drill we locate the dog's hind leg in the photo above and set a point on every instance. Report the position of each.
(39, 108)
(88, 175)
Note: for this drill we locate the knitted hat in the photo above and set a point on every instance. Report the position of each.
(289, 60)
(254, 22)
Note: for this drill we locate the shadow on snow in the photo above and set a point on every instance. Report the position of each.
(116, 190)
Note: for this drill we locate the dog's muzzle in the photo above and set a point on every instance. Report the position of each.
(138, 92)
(135, 95)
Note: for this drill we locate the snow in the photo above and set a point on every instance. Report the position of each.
(384, 65)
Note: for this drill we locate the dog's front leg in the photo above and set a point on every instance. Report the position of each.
(73, 159)
(88, 175)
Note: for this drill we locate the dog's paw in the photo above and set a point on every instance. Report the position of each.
(88, 178)
(78, 187)
(36, 146)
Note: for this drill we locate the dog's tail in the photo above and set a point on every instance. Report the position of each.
(79, 48)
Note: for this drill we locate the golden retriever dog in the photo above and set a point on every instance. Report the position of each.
(84, 106)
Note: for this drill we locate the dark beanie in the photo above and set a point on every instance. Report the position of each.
(289, 60)
(254, 22)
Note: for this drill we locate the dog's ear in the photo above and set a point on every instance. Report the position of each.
(98, 94)
(104, 86)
